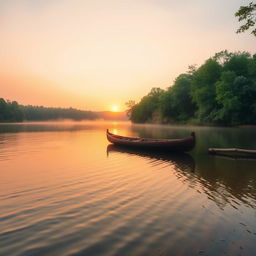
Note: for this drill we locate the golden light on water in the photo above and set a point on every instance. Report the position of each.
(115, 131)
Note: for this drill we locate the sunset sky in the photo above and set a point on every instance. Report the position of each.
(99, 54)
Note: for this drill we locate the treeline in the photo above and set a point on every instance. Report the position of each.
(222, 91)
(11, 111)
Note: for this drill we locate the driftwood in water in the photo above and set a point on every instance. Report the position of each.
(234, 151)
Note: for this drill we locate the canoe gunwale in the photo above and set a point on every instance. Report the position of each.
(184, 144)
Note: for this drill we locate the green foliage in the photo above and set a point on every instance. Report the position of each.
(149, 104)
(13, 112)
(39, 113)
(222, 91)
(226, 95)
(203, 89)
(177, 101)
(248, 15)
(130, 104)
(242, 89)
(238, 63)
(10, 111)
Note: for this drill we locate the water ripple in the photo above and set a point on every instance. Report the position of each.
(62, 197)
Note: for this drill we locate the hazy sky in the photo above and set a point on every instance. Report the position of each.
(94, 54)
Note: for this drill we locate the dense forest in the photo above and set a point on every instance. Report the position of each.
(13, 112)
(222, 91)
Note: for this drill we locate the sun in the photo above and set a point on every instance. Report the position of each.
(115, 108)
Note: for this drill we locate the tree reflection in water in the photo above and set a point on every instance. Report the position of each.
(225, 181)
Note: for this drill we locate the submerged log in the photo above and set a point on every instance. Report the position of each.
(235, 151)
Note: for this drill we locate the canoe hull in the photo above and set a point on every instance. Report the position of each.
(176, 145)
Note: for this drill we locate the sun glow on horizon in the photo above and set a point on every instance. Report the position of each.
(115, 108)
(97, 55)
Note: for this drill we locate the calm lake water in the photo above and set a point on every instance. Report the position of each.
(64, 191)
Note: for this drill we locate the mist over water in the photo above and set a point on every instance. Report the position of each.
(65, 191)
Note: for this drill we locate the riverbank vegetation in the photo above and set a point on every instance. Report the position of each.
(11, 111)
(222, 91)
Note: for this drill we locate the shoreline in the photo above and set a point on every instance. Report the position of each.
(70, 121)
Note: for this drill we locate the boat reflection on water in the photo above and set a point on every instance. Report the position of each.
(211, 175)
(182, 161)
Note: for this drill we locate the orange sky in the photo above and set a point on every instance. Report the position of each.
(96, 54)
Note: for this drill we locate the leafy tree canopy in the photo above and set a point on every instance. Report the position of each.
(248, 15)
(221, 91)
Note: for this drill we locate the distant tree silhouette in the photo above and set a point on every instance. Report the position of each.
(10, 111)
(13, 112)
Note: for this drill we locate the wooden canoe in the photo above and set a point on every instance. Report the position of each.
(175, 145)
